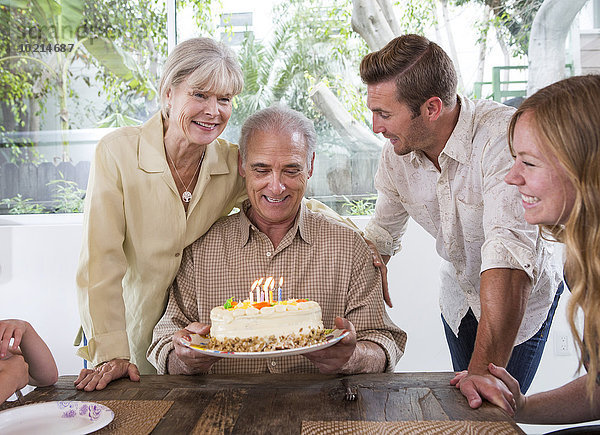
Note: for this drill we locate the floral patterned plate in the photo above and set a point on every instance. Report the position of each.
(199, 343)
(68, 417)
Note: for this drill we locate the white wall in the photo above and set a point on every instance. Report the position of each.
(38, 258)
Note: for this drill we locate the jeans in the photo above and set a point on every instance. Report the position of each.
(525, 357)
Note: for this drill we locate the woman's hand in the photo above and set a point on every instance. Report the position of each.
(186, 361)
(99, 377)
(513, 385)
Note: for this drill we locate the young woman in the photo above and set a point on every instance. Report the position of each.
(555, 138)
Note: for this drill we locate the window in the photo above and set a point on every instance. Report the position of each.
(69, 73)
(72, 72)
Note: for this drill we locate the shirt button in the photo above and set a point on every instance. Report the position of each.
(268, 254)
(273, 363)
(177, 255)
(527, 266)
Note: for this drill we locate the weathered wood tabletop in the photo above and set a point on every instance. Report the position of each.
(279, 403)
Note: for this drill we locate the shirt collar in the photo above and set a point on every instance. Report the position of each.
(151, 150)
(460, 142)
(300, 225)
(459, 145)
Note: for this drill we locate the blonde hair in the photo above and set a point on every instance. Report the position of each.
(207, 65)
(566, 120)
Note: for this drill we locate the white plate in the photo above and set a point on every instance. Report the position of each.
(199, 343)
(68, 417)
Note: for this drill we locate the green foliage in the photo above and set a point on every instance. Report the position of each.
(68, 196)
(512, 19)
(124, 39)
(132, 46)
(360, 207)
(312, 41)
(20, 154)
(203, 11)
(118, 120)
(20, 205)
(416, 15)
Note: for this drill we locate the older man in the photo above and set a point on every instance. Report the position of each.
(444, 165)
(275, 234)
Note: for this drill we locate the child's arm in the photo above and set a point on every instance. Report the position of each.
(13, 376)
(42, 368)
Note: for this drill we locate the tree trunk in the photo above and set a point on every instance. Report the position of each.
(371, 22)
(436, 22)
(451, 44)
(483, 45)
(390, 16)
(506, 54)
(377, 23)
(548, 35)
(357, 136)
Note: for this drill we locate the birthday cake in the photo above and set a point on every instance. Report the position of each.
(266, 325)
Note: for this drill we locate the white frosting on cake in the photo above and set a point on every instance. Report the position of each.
(281, 319)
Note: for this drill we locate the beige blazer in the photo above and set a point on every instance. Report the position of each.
(135, 229)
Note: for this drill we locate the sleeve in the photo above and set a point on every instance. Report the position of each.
(388, 225)
(365, 307)
(102, 263)
(510, 242)
(182, 309)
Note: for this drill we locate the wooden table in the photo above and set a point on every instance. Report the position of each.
(279, 403)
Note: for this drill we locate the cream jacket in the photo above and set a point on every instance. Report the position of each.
(134, 232)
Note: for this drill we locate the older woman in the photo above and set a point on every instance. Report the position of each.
(555, 137)
(152, 191)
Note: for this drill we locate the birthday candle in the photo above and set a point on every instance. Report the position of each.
(271, 286)
(268, 282)
(279, 289)
(258, 293)
(255, 284)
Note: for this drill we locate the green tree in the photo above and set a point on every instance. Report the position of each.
(513, 19)
(102, 33)
(312, 42)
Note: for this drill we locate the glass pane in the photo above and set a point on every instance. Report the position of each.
(286, 48)
(70, 72)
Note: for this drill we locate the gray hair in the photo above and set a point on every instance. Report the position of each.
(207, 64)
(277, 119)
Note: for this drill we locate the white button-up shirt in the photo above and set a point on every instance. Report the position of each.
(475, 217)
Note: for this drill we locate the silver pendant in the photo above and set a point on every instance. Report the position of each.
(186, 196)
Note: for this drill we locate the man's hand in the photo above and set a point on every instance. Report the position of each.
(332, 359)
(186, 361)
(380, 263)
(99, 377)
(477, 387)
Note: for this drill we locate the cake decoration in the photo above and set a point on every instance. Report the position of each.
(265, 325)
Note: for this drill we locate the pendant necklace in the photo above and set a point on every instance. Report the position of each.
(186, 196)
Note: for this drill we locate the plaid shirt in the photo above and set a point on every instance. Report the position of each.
(319, 260)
